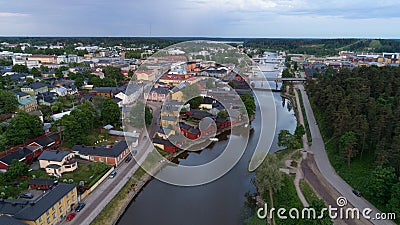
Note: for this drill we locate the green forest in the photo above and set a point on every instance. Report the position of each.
(324, 47)
(359, 115)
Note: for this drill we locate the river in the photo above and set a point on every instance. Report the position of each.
(220, 202)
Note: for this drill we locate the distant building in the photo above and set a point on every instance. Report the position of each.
(35, 88)
(26, 102)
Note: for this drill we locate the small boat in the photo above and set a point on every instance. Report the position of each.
(214, 139)
(246, 125)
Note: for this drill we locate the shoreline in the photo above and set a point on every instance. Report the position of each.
(135, 189)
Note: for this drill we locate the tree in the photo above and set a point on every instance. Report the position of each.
(8, 101)
(22, 128)
(394, 202)
(16, 169)
(113, 73)
(35, 72)
(148, 115)
(249, 103)
(20, 69)
(196, 102)
(110, 113)
(73, 133)
(223, 114)
(285, 138)
(57, 107)
(347, 146)
(268, 177)
(300, 131)
(381, 183)
(132, 75)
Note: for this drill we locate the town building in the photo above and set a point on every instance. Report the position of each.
(50, 208)
(57, 162)
(35, 88)
(112, 155)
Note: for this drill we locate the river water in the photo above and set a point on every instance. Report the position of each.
(222, 202)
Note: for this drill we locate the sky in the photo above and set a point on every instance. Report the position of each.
(204, 18)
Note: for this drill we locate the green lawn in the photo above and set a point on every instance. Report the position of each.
(83, 173)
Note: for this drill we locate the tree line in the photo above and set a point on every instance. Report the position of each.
(361, 114)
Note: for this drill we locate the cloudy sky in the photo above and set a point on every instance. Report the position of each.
(206, 18)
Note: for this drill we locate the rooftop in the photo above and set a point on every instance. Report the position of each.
(53, 155)
(114, 151)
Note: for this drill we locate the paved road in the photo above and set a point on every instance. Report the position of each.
(107, 190)
(321, 158)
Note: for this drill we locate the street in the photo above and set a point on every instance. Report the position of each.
(326, 169)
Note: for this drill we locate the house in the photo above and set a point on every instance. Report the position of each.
(50, 208)
(35, 88)
(41, 184)
(22, 154)
(110, 155)
(164, 133)
(165, 145)
(145, 75)
(26, 102)
(57, 162)
(158, 94)
(47, 98)
(107, 92)
(43, 59)
(189, 131)
(175, 79)
(8, 220)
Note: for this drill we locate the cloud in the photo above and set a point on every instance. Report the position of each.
(9, 14)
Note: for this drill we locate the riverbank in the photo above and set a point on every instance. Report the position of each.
(118, 205)
(296, 191)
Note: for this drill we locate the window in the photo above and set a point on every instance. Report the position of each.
(52, 208)
(67, 195)
(69, 202)
(91, 158)
(73, 198)
(54, 215)
(48, 220)
(60, 209)
(40, 219)
(59, 202)
(47, 213)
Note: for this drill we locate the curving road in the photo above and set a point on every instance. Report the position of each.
(321, 158)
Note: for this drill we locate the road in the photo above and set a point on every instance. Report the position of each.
(326, 169)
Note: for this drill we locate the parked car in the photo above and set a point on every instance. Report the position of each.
(112, 174)
(128, 159)
(70, 216)
(80, 207)
(26, 195)
(357, 193)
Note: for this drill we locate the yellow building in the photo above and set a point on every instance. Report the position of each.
(145, 75)
(50, 208)
(177, 96)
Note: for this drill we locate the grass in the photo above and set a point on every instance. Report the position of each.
(83, 173)
(306, 125)
(115, 206)
(308, 192)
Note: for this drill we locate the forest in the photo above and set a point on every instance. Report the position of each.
(324, 47)
(359, 114)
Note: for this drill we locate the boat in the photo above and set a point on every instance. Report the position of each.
(214, 139)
